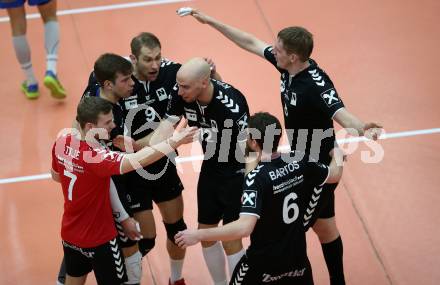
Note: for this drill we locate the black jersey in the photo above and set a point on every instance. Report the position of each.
(309, 102)
(149, 100)
(278, 193)
(147, 105)
(223, 123)
(93, 89)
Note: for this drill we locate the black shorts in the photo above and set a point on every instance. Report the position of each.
(105, 260)
(142, 192)
(250, 272)
(325, 205)
(328, 201)
(219, 195)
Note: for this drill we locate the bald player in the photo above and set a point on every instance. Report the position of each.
(221, 112)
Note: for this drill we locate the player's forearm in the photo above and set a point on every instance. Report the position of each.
(350, 122)
(164, 131)
(231, 231)
(242, 39)
(216, 76)
(145, 141)
(147, 155)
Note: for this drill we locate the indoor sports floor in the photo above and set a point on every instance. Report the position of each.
(381, 55)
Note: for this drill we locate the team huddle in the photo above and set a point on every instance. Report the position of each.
(120, 157)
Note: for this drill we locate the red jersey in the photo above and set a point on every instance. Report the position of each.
(85, 178)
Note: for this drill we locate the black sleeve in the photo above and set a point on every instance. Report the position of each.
(240, 115)
(92, 79)
(92, 86)
(171, 66)
(252, 197)
(175, 104)
(316, 173)
(328, 100)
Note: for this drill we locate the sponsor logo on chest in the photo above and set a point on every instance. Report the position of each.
(190, 114)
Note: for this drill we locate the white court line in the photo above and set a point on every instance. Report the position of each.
(281, 148)
(103, 8)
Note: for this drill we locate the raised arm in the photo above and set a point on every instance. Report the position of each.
(242, 39)
(355, 126)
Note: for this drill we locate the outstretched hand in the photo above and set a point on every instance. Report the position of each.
(184, 136)
(372, 130)
(186, 238)
(131, 229)
(211, 65)
(199, 16)
(125, 143)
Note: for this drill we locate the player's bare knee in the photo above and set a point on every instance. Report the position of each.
(174, 228)
(232, 247)
(18, 26)
(129, 251)
(326, 230)
(206, 244)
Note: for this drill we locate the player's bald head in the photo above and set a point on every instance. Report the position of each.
(194, 70)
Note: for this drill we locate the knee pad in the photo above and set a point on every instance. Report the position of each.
(133, 266)
(173, 229)
(146, 244)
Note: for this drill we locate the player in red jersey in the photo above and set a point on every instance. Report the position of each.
(84, 167)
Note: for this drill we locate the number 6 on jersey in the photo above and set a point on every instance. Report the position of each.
(289, 205)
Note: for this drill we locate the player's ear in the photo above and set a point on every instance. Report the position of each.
(205, 82)
(133, 58)
(108, 85)
(293, 57)
(88, 126)
(253, 144)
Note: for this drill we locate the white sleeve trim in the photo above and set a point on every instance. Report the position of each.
(328, 175)
(120, 164)
(250, 214)
(264, 49)
(334, 114)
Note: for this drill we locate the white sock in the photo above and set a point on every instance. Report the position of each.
(233, 259)
(51, 42)
(176, 269)
(215, 261)
(23, 54)
(133, 267)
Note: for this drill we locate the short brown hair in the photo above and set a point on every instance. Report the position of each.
(261, 121)
(108, 65)
(297, 40)
(143, 39)
(89, 109)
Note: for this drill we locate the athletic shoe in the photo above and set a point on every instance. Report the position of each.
(178, 282)
(31, 91)
(53, 84)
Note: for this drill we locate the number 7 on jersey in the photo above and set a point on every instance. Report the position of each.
(72, 182)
